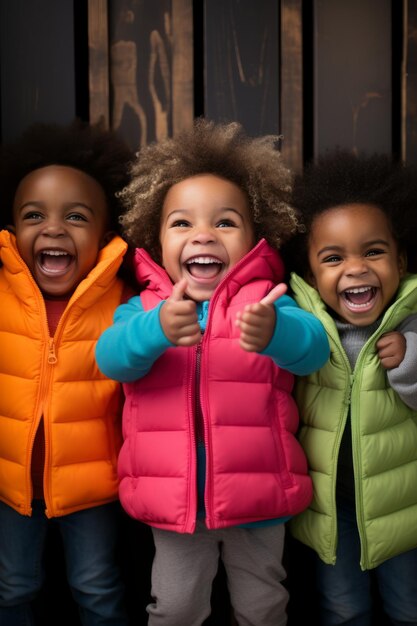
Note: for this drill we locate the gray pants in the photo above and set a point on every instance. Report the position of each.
(185, 565)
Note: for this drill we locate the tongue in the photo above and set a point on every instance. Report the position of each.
(53, 263)
(360, 298)
(204, 270)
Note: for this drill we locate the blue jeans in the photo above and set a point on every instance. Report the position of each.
(89, 541)
(345, 592)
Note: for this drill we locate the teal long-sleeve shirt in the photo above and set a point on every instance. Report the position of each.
(127, 350)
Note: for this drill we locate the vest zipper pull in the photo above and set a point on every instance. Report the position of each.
(51, 354)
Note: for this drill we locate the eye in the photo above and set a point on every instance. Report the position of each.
(76, 217)
(32, 216)
(375, 252)
(226, 223)
(180, 224)
(333, 258)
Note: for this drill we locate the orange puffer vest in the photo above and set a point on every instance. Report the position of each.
(58, 378)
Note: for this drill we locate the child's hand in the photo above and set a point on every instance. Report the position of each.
(257, 321)
(391, 349)
(179, 317)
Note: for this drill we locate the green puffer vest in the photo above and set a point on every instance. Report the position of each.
(384, 440)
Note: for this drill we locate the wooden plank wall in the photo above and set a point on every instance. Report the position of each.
(37, 73)
(352, 75)
(409, 83)
(251, 68)
(241, 43)
(141, 67)
(318, 72)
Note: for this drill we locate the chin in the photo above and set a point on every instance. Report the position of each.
(200, 296)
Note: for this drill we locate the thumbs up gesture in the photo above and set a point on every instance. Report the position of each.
(257, 321)
(179, 317)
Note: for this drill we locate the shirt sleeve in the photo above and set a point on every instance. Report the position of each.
(299, 343)
(403, 379)
(127, 350)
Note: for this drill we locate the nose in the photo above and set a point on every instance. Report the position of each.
(356, 267)
(204, 235)
(54, 228)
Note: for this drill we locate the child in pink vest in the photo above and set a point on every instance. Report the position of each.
(207, 354)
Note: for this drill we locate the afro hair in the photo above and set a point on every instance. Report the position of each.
(340, 177)
(95, 151)
(253, 164)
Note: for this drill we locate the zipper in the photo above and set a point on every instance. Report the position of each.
(199, 420)
(48, 362)
(52, 358)
(192, 483)
(49, 353)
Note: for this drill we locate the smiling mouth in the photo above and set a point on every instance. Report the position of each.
(204, 267)
(54, 261)
(359, 298)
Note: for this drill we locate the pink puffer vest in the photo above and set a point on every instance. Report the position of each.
(256, 469)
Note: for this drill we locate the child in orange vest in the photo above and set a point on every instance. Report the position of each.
(59, 416)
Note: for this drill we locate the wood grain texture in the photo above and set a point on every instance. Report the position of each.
(409, 84)
(98, 61)
(241, 57)
(151, 68)
(292, 83)
(182, 65)
(352, 75)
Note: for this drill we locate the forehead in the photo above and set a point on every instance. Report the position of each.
(59, 179)
(206, 189)
(349, 220)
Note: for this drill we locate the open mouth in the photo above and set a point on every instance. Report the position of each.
(204, 267)
(54, 261)
(359, 298)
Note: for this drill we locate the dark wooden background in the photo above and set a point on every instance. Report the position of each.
(321, 73)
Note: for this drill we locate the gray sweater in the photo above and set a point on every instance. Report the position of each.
(403, 379)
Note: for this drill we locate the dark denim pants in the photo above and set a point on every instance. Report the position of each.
(346, 594)
(89, 540)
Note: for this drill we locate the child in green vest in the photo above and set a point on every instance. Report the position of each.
(358, 412)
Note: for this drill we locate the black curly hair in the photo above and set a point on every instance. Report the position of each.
(254, 164)
(340, 177)
(98, 152)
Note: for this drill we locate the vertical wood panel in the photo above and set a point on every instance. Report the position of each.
(292, 83)
(409, 84)
(151, 68)
(241, 63)
(36, 64)
(182, 65)
(353, 81)
(98, 61)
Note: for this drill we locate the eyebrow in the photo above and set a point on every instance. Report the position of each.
(225, 209)
(67, 205)
(366, 244)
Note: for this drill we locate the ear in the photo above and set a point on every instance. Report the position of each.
(107, 237)
(402, 263)
(310, 278)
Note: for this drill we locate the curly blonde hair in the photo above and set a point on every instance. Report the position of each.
(253, 164)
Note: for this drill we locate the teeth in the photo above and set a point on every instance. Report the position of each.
(55, 252)
(204, 260)
(353, 305)
(358, 290)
